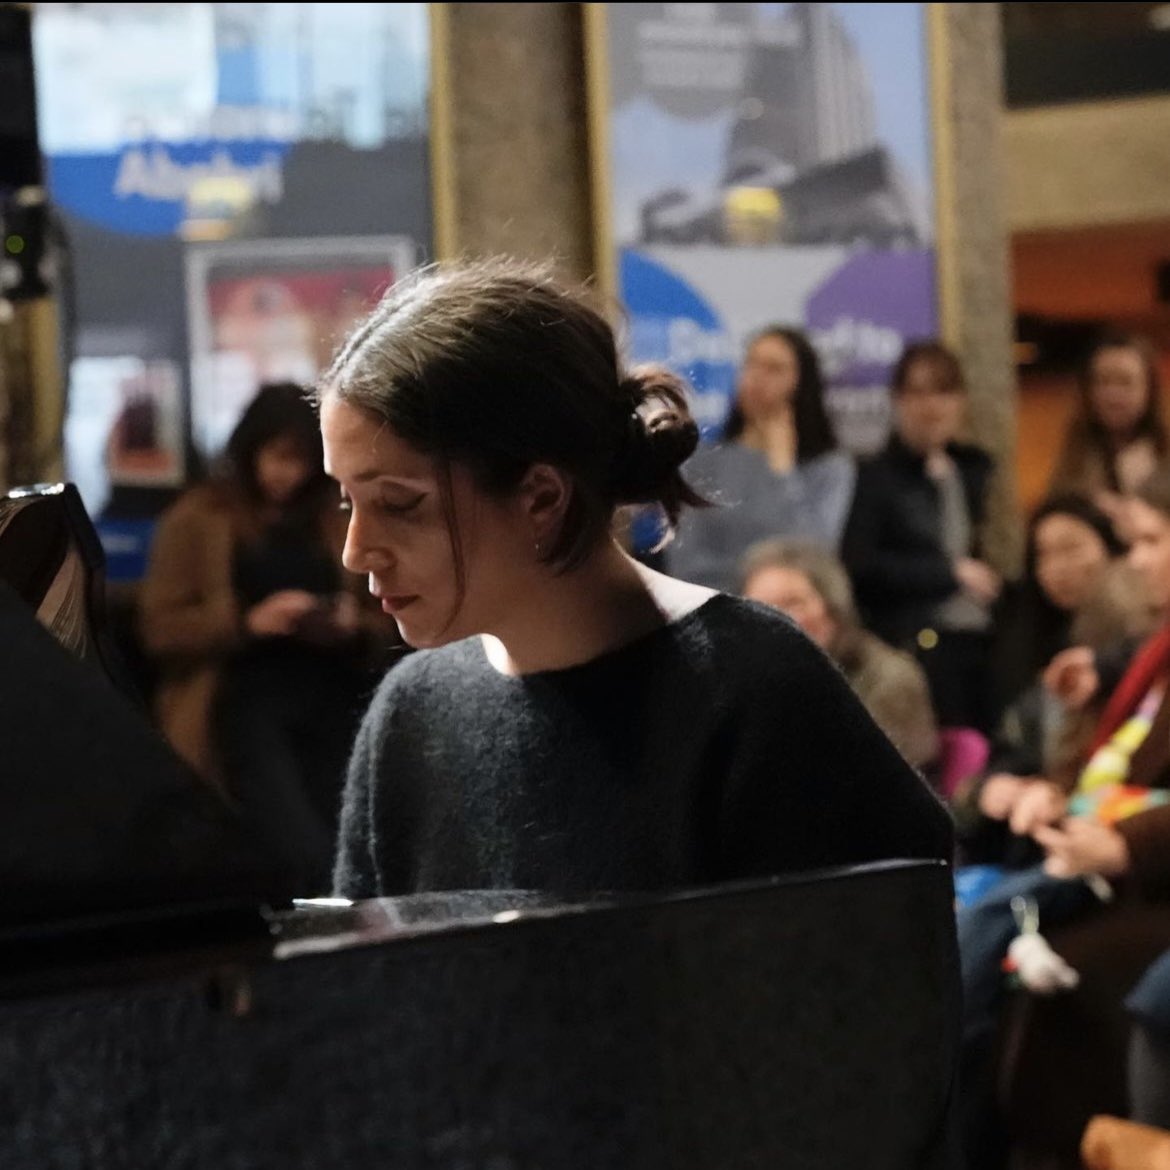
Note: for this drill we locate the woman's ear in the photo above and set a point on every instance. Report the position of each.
(544, 496)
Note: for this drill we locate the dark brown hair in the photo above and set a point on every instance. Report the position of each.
(280, 410)
(814, 431)
(497, 367)
(932, 351)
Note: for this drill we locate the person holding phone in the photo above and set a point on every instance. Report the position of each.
(260, 644)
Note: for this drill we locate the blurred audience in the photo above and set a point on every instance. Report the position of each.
(1118, 436)
(810, 584)
(1104, 880)
(778, 471)
(1077, 589)
(262, 647)
(912, 545)
(1069, 549)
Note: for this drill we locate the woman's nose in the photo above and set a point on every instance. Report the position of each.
(361, 554)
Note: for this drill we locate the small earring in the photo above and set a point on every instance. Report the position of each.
(538, 547)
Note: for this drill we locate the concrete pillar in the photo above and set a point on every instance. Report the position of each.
(519, 165)
(975, 283)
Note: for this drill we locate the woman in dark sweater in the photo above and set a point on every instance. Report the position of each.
(574, 721)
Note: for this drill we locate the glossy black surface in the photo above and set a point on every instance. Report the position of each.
(804, 1023)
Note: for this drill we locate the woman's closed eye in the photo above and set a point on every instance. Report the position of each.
(401, 507)
(395, 507)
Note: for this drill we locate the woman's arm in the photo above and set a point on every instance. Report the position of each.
(355, 873)
(826, 499)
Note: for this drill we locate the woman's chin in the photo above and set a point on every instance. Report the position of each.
(421, 635)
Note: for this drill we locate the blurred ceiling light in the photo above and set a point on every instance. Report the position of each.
(1159, 17)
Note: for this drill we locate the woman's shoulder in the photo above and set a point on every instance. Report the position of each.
(767, 671)
(752, 639)
(207, 502)
(885, 662)
(720, 456)
(422, 677)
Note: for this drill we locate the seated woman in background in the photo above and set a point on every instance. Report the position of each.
(812, 587)
(1069, 549)
(1076, 589)
(777, 471)
(912, 542)
(1118, 435)
(572, 721)
(261, 646)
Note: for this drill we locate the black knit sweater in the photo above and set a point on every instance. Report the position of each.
(721, 746)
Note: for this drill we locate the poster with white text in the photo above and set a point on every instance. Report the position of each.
(771, 164)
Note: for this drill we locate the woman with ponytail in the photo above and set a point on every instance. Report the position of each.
(573, 721)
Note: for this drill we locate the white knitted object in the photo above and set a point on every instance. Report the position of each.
(1039, 968)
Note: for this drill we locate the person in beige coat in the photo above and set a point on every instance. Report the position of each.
(262, 641)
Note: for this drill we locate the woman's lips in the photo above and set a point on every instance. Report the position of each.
(394, 605)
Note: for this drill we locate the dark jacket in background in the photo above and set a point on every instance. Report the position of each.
(893, 545)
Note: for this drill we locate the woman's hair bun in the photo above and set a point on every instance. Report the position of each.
(661, 435)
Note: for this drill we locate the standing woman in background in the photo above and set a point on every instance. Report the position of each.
(1118, 436)
(261, 647)
(777, 472)
(912, 542)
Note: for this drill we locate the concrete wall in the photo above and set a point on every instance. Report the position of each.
(1095, 164)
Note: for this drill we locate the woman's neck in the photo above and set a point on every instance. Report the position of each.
(574, 617)
(1117, 441)
(774, 436)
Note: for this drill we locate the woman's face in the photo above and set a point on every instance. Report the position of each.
(928, 410)
(768, 380)
(1118, 388)
(1070, 558)
(791, 592)
(1149, 553)
(399, 538)
(283, 467)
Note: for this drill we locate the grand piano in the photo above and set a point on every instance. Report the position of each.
(166, 1000)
